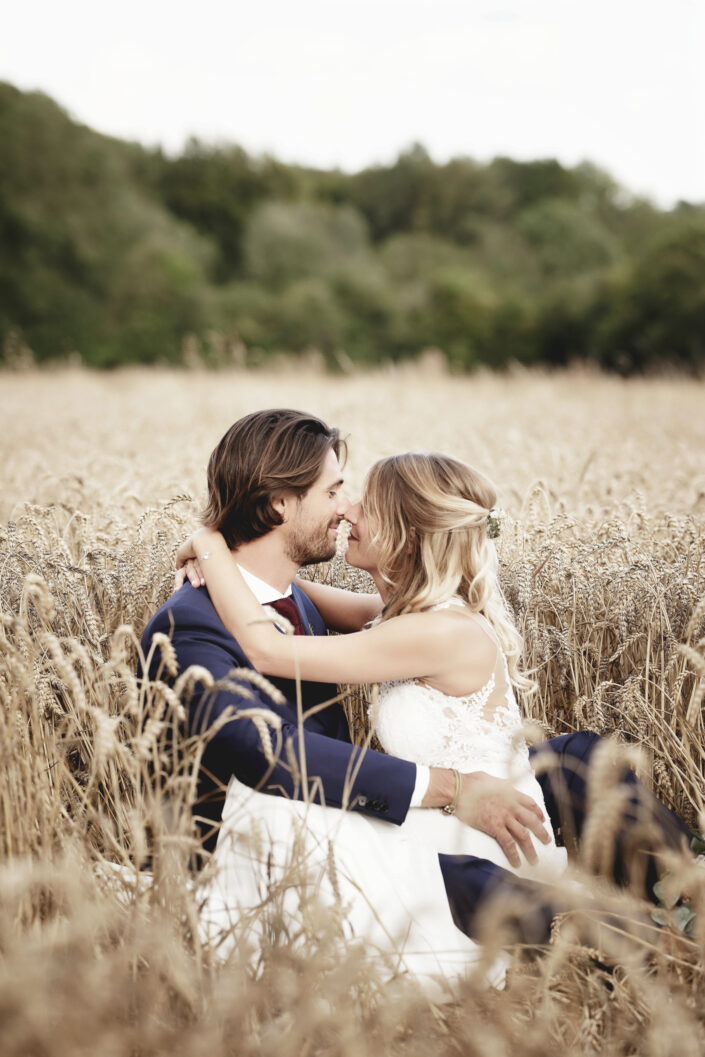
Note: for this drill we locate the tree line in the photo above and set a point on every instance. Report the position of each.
(123, 254)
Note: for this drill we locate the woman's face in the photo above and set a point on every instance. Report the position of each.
(362, 551)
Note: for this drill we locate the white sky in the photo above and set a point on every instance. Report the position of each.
(351, 82)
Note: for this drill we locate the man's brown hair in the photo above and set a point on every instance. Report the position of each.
(263, 455)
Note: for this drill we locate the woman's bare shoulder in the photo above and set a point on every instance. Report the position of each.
(463, 642)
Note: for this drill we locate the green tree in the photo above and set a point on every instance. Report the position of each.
(566, 238)
(217, 189)
(83, 247)
(654, 312)
(523, 184)
(286, 241)
(118, 252)
(458, 317)
(395, 198)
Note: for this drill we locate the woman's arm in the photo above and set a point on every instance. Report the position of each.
(406, 647)
(342, 610)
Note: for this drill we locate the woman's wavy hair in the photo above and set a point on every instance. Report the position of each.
(263, 455)
(428, 514)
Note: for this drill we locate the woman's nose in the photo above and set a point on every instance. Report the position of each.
(351, 514)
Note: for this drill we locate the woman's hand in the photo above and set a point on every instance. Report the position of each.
(191, 571)
(188, 566)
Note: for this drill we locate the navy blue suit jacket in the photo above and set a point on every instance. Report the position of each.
(376, 784)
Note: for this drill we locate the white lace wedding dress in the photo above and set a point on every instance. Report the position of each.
(375, 882)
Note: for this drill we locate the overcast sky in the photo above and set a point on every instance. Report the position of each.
(351, 82)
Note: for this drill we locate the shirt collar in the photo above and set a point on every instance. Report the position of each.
(263, 592)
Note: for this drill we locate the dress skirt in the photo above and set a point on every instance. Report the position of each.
(314, 869)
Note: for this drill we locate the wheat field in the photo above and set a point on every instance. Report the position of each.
(603, 563)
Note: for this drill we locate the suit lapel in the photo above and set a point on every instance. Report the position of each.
(302, 603)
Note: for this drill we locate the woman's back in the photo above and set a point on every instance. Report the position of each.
(479, 730)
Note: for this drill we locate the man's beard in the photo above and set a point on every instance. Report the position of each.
(302, 549)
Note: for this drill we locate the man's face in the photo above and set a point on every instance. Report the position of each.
(312, 522)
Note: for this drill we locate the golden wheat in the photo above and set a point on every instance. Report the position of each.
(603, 565)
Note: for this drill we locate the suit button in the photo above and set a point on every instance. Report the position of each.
(362, 801)
(384, 807)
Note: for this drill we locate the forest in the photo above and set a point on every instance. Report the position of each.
(114, 253)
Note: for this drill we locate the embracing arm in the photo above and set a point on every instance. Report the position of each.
(342, 610)
(409, 646)
(300, 762)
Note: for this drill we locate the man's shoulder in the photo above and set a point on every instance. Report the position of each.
(198, 635)
(187, 607)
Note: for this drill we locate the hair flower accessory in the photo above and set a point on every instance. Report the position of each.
(494, 522)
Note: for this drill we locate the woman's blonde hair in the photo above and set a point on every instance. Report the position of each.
(428, 515)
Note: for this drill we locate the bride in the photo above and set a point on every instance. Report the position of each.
(438, 642)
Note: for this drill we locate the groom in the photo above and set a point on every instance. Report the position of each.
(275, 493)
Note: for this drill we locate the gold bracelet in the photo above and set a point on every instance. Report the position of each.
(449, 809)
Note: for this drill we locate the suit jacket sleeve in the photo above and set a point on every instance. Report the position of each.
(338, 773)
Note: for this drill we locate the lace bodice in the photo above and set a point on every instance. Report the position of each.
(479, 731)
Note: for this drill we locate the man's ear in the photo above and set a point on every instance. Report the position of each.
(280, 503)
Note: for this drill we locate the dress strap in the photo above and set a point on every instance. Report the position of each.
(454, 602)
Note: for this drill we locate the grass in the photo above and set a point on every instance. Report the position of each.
(603, 562)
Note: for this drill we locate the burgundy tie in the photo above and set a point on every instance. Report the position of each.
(289, 609)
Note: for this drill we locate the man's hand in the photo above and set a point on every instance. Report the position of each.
(493, 806)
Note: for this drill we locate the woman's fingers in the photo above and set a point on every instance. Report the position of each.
(188, 566)
(193, 571)
(185, 552)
